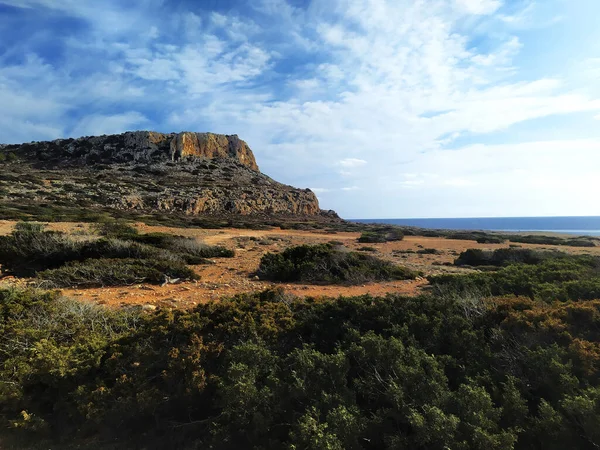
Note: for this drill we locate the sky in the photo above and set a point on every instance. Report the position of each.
(384, 108)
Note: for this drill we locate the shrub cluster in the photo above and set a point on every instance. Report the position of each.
(325, 263)
(506, 256)
(115, 272)
(546, 276)
(380, 236)
(269, 371)
(120, 257)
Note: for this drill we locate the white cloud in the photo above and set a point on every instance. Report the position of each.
(109, 124)
(357, 93)
(351, 163)
(479, 6)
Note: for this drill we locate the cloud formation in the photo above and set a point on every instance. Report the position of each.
(393, 108)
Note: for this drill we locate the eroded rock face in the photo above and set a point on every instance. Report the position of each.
(188, 173)
(211, 146)
(142, 146)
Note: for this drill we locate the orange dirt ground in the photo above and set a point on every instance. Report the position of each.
(230, 276)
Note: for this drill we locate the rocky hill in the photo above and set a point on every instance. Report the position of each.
(201, 174)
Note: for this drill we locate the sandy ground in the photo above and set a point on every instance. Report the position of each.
(230, 276)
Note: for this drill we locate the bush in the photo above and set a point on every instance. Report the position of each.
(269, 371)
(428, 251)
(192, 251)
(370, 237)
(552, 240)
(325, 264)
(116, 229)
(506, 256)
(114, 272)
(547, 276)
(491, 240)
(29, 249)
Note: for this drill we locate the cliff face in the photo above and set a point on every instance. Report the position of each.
(141, 147)
(189, 173)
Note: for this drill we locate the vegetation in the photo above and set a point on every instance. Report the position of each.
(507, 256)
(270, 371)
(325, 263)
(505, 357)
(379, 236)
(122, 256)
(115, 272)
(547, 276)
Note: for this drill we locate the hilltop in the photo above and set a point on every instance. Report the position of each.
(192, 174)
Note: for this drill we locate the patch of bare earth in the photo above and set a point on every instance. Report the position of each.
(231, 276)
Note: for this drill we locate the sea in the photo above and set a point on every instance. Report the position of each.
(574, 225)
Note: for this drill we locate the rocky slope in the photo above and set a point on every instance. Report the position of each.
(189, 173)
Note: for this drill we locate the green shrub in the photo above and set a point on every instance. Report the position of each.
(269, 371)
(192, 251)
(370, 237)
(491, 240)
(428, 251)
(547, 276)
(114, 272)
(506, 256)
(324, 263)
(552, 240)
(380, 236)
(29, 249)
(116, 229)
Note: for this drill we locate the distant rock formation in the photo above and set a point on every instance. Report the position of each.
(142, 146)
(189, 173)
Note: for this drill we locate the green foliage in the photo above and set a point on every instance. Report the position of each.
(116, 229)
(428, 251)
(30, 250)
(548, 276)
(324, 263)
(552, 240)
(192, 251)
(379, 236)
(115, 272)
(506, 256)
(269, 371)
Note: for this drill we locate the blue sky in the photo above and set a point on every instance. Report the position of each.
(403, 108)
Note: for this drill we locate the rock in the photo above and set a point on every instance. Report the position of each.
(190, 173)
(148, 307)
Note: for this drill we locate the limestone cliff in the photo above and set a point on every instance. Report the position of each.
(142, 147)
(188, 173)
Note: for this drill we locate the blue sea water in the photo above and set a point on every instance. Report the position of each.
(581, 226)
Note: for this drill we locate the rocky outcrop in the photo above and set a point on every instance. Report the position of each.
(211, 146)
(197, 174)
(141, 147)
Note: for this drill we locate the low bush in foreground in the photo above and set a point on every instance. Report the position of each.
(267, 371)
(326, 264)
